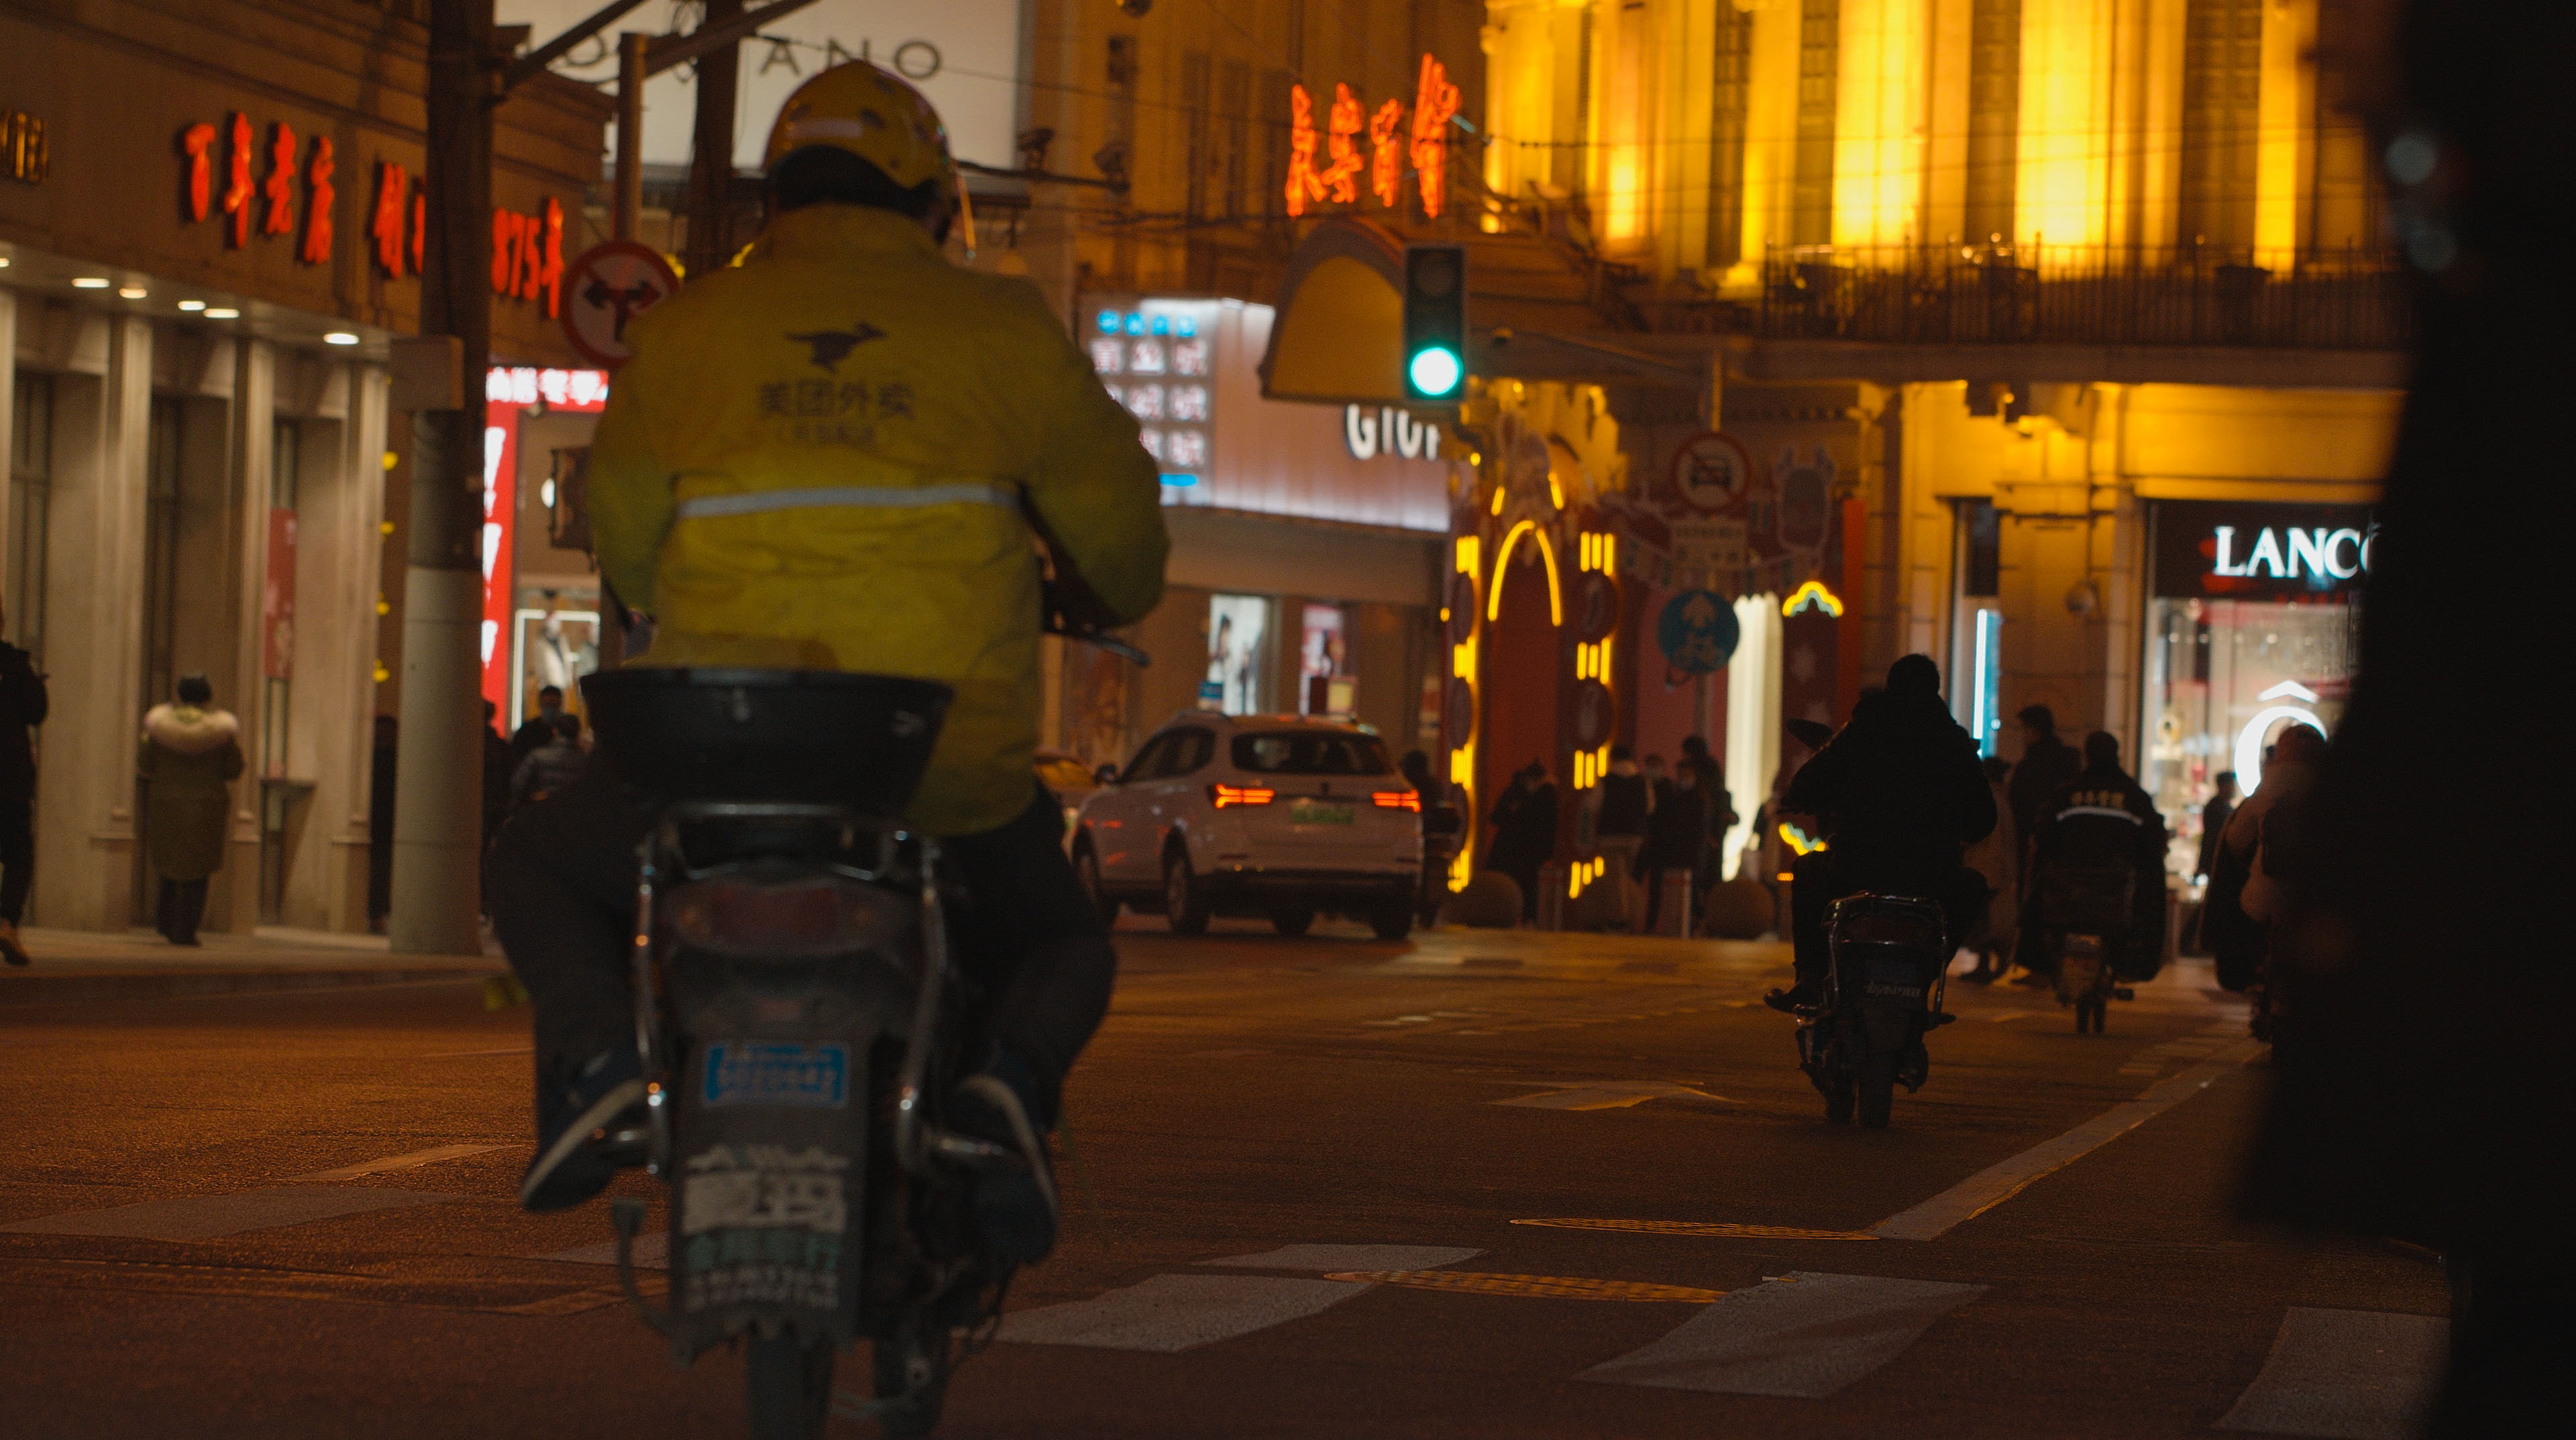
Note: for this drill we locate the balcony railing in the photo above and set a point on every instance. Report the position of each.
(2082, 295)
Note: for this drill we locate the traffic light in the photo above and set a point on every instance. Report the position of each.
(1435, 321)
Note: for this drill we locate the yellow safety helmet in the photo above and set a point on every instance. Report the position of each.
(862, 109)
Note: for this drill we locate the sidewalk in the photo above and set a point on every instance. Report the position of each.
(139, 965)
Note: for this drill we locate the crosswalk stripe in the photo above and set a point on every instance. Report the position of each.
(1171, 1313)
(410, 1160)
(2346, 1374)
(2000, 1182)
(652, 1251)
(1350, 1257)
(206, 1217)
(1805, 1334)
(1605, 1095)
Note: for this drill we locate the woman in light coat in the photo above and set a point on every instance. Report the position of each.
(191, 755)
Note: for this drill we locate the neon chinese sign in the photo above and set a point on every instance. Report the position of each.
(527, 249)
(1435, 104)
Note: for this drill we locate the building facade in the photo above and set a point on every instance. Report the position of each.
(208, 234)
(2020, 323)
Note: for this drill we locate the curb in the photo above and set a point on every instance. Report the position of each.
(166, 985)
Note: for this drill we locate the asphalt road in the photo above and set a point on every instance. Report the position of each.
(1484, 1184)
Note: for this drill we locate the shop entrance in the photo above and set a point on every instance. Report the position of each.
(1519, 670)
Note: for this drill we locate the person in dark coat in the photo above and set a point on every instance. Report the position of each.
(2046, 766)
(1440, 822)
(1900, 791)
(498, 769)
(190, 757)
(22, 707)
(1622, 805)
(538, 730)
(1676, 835)
(2422, 1090)
(2098, 858)
(551, 767)
(1524, 822)
(381, 769)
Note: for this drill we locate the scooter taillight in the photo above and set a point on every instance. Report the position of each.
(803, 916)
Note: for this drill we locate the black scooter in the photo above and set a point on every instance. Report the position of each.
(1883, 994)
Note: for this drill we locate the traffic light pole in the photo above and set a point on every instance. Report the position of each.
(438, 797)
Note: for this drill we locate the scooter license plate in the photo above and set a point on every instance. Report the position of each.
(750, 1072)
(1895, 980)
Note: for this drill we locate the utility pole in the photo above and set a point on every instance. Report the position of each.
(711, 159)
(438, 820)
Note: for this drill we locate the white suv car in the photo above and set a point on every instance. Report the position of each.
(1255, 815)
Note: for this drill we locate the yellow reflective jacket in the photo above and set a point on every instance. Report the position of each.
(815, 461)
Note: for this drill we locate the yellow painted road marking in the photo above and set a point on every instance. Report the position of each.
(1555, 1287)
(1704, 1229)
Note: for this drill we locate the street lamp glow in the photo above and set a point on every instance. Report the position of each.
(133, 292)
(226, 314)
(192, 306)
(339, 337)
(1436, 370)
(90, 282)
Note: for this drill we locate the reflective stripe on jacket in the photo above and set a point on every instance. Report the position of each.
(817, 460)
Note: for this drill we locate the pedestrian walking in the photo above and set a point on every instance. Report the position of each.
(1620, 807)
(1676, 836)
(551, 767)
(191, 754)
(22, 708)
(500, 766)
(380, 822)
(538, 731)
(1718, 811)
(2214, 815)
(1997, 859)
(2046, 765)
(1525, 832)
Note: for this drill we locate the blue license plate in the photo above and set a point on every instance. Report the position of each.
(743, 1072)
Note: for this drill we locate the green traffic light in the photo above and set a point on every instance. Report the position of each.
(1435, 370)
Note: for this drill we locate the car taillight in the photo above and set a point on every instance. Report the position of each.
(779, 917)
(1397, 799)
(1223, 795)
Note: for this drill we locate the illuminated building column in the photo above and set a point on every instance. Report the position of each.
(2284, 155)
(1946, 103)
(1686, 59)
(1519, 94)
(2155, 70)
(1626, 92)
(1770, 130)
(1879, 122)
(2063, 188)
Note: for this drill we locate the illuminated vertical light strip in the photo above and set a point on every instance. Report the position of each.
(1878, 122)
(1466, 557)
(2063, 188)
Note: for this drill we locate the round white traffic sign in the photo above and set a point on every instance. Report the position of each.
(1711, 473)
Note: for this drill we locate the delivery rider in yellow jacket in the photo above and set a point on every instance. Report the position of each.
(830, 456)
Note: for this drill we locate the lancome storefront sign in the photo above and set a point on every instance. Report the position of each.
(2251, 551)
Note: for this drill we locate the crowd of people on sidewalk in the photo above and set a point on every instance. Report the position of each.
(1646, 823)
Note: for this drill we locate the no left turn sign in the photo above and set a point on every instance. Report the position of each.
(605, 289)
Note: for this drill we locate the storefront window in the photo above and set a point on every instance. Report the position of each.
(1237, 627)
(31, 474)
(2249, 631)
(1326, 686)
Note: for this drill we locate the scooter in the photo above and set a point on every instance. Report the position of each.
(1883, 992)
(2086, 980)
(800, 1023)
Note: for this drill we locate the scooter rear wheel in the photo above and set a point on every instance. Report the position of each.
(1877, 1086)
(1838, 1102)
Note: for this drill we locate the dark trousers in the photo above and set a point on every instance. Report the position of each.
(17, 854)
(181, 908)
(1817, 880)
(561, 893)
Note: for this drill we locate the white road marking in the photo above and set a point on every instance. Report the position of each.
(411, 1160)
(1605, 1095)
(1172, 1313)
(652, 1252)
(207, 1217)
(473, 1054)
(2349, 1374)
(2000, 1182)
(1350, 1257)
(1803, 1334)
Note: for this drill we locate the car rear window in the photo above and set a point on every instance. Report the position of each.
(1311, 752)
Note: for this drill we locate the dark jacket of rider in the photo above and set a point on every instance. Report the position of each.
(1900, 787)
(2101, 823)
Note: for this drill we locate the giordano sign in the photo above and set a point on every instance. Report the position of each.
(2223, 550)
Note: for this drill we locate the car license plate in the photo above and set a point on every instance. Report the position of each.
(743, 1072)
(1308, 812)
